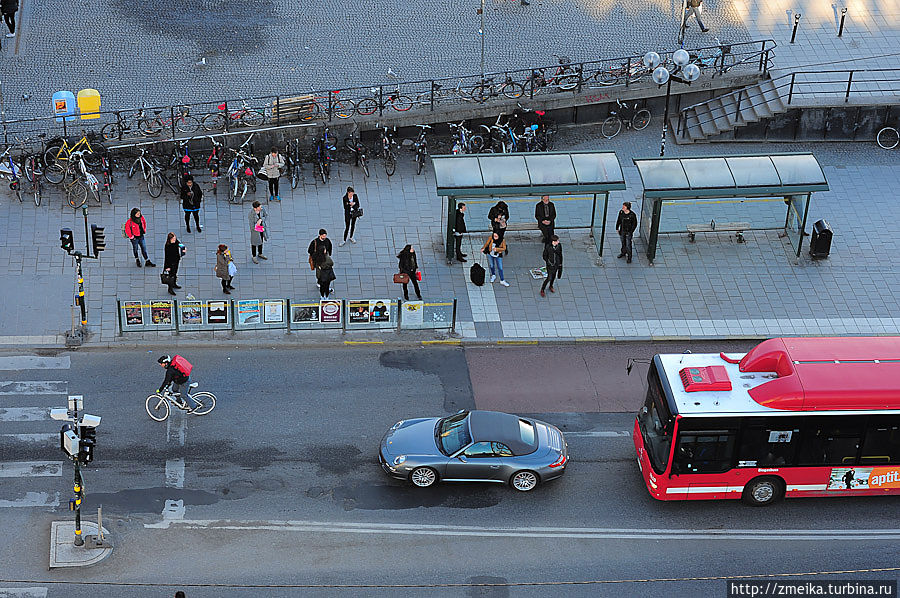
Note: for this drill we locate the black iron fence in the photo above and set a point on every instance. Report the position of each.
(213, 117)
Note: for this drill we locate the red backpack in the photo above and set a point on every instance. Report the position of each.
(182, 365)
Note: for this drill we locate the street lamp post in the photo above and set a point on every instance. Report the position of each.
(684, 72)
(481, 35)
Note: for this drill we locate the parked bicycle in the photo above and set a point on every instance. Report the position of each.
(11, 172)
(293, 162)
(565, 77)
(81, 184)
(243, 117)
(242, 172)
(58, 151)
(487, 89)
(106, 169)
(322, 155)
(159, 405)
(421, 148)
(358, 152)
(630, 114)
(125, 125)
(382, 99)
(720, 60)
(389, 150)
(183, 122)
(888, 138)
(213, 162)
(462, 138)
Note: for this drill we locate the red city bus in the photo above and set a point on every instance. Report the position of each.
(792, 417)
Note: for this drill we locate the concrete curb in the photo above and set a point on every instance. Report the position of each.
(64, 553)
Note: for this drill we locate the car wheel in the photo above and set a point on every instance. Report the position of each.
(761, 492)
(423, 477)
(523, 481)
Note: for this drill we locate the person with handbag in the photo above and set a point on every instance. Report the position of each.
(225, 268)
(258, 231)
(352, 211)
(191, 195)
(323, 242)
(493, 248)
(410, 267)
(324, 272)
(173, 251)
(272, 166)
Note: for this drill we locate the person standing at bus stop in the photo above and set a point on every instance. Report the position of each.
(545, 214)
(626, 224)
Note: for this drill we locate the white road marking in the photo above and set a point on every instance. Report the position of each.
(33, 362)
(599, 434)
(30, 469)
(33, 438)
(33, 387)
(175, 432)
(173, 511)
(175, 473)
(33, 592)
(532, 532)
(33, 499)
(24, 414)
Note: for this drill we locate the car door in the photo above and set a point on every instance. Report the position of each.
(476, 462)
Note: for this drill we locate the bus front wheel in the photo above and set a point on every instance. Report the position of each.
(761, 492)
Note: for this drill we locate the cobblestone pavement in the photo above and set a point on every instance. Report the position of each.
(712, 288)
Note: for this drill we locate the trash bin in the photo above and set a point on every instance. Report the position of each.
(820, 242)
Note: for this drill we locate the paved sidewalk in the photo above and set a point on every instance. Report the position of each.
(712, 288)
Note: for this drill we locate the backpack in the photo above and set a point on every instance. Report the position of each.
(124, 234)
(182, 365)
(476, 273)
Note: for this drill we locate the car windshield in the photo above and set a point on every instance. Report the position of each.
(453, 433)
(654, 423)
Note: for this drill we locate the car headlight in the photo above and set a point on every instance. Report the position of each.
(399, 460)
(397, 425)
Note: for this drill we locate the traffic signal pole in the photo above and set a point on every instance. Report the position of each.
(78, 487)
(95, 242)
(81, 301)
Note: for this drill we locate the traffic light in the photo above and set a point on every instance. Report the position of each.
(98, 239)
(68, 440)
(66, 239)
(87, 443)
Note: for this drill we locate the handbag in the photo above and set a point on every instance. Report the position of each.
(312, 264)
(259, 227)
(401, 278)
(357, 213)
(165, 277)
(419, 275)
(232, 269)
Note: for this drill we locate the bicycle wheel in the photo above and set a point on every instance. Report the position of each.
(110, 131)
(92, 158)
(401, 103)
(420, 161)
(366, 106)
(242, 189)
(154, 184)
(133, 169)
(252, 118)
(322, 174)
(611, 127)
(107, 186)
(37, 191)
(342, 109)
(567, 82)
(606, 77)
(512, 90)
(295, 177)
(480, 93)
(55, 173)
(206, 400)
(888, 138)
(475, 146)
(251, 184)
(76, 194)
(390, 163)
(641, 119)
(313, 110)
(28, 168)
(157, 407)
(16, 185)
(55, 154)
(213, 122)
(186, 124)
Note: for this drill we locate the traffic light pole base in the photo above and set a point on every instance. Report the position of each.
(63, 552)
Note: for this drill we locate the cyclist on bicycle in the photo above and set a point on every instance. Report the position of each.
(178, 372)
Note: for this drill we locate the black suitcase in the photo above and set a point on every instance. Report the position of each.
(476, 273)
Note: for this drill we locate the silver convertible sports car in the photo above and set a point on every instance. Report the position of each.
(474, 446)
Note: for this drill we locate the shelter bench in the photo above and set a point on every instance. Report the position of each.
(712, 226)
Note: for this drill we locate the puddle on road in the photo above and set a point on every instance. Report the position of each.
(383, 497)
(447, 364)
(146, 500)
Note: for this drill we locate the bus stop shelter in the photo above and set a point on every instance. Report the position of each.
(727, 194)
(575, 181)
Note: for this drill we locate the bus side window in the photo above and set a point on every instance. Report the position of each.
(882, 443)
(768, 445)
(830, 442)
(704, 452)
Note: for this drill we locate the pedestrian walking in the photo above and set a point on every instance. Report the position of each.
(352, 211)
(499, 217)
(409, 266)
(272, 167)
(493, 248)
(545, 214)
(324, 271)
(459, 230)
(135, 230)
(626, 224)
(225, 268)
(322, 241)
(173, 252)
(258, 231)
(191, 196)
(9, 8)
(553, 259)
(695, 8)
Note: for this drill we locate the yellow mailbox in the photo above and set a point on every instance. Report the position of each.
(89, 103)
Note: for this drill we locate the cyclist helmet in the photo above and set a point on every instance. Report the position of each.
(164, 359)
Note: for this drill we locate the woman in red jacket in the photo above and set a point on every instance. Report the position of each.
(135, 229)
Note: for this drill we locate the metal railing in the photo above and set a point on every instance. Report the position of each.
(425, 95)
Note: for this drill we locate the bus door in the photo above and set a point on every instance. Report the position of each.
(701, 463)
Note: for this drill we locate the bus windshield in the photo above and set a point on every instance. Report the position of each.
(654, 419)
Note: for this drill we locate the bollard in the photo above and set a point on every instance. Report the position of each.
(843, 16)
(796, 23)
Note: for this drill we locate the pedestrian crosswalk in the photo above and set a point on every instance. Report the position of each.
(29, 470)
(32, 592)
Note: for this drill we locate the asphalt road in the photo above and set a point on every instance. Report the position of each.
(280, 486)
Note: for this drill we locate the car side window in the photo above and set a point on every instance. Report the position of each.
(479, 449)
(501, 450)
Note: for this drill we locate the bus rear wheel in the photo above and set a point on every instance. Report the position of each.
(762, 492)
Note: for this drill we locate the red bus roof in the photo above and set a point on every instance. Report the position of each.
(822, 374)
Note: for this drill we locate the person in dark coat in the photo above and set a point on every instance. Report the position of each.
(409, 266)
(191, 195)
(173, 252)
(324, 272)
(626, 224)
(553, 258)
(259, 231)
(321, 241)
(499, 217)
(223, 259)
(459, 230)
(9, 8)
(351, 213)
(545, 214)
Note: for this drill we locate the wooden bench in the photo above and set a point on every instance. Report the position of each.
(737, 228)
(295, 108)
